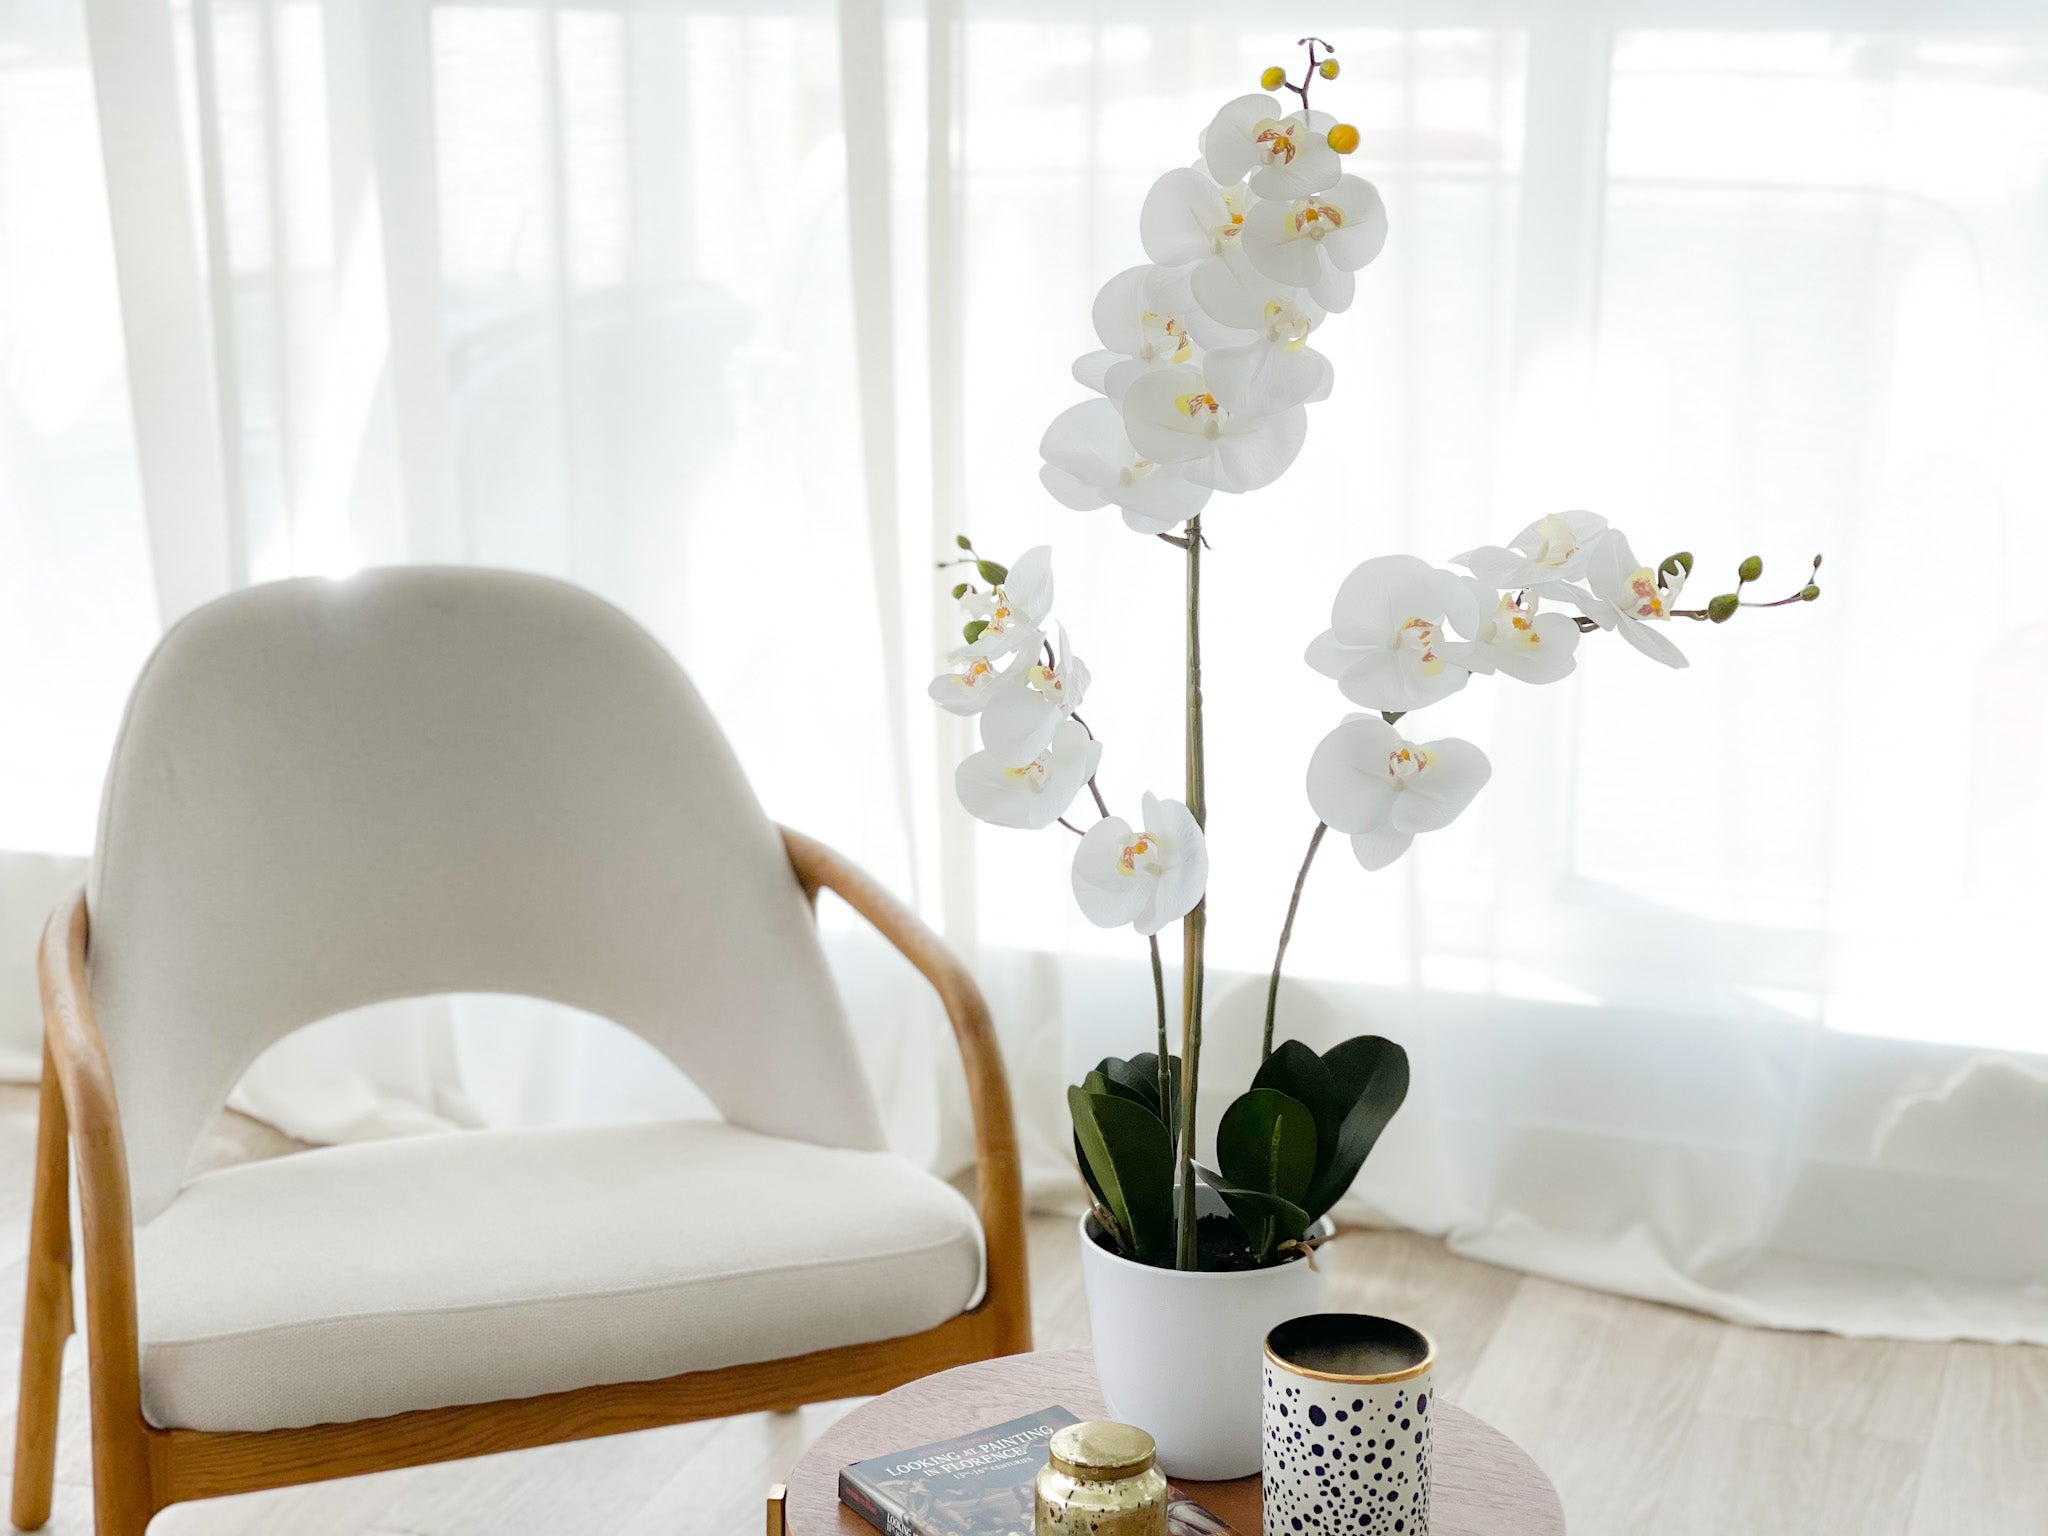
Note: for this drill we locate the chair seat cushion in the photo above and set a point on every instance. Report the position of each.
(357, 1281)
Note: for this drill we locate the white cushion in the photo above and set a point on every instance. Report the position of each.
(357, 1281)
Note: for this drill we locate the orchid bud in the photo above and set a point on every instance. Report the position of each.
(973, 629)
(961, 541)
(1751, 568)
(992, 573)
(959, 591)
(1343, 138)
(1327, 69)
(1722, 608)
(1271, 77)
(1808, 593)
(1816, 562)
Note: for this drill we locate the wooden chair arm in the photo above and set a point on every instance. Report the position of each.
(999, 1171)
(74, 1050)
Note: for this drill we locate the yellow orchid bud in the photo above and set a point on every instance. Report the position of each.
(1273, 77)
(1327, 69)
(1343, 138)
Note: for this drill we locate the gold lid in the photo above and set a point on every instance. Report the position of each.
(1101, 1451)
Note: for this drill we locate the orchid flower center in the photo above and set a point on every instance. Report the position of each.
(1142, 849)
(977, 668)
(1203, 410)
(1556, 544)
(1648, 597)
(1287, 324)
(1418, 637)
(1406, 763)
(1220, 235)
(1512, 624)
(1000, 612)
(1030, 776)
(1312, 218)
(1046, 681)
(1276, 140)
(1135, 471)
(1164, 338)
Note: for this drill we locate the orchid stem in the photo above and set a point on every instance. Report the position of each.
(1165, 1061)
(1101, 806)
(1195, 925)
(1315, 841)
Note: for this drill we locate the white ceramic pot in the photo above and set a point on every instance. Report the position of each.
(1181, 1354)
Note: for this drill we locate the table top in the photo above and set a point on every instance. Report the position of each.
(1484, 1484)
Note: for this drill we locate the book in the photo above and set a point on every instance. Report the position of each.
(979, 1484)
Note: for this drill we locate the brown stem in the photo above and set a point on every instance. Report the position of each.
(1195, 925)
(1315, 841)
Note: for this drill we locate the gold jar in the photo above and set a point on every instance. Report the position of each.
(1099, 1480)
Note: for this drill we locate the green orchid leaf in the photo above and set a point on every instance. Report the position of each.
(1138, 1079)
(1267, 1141)
(1371, 1078)
(1300, 1073)
(1125, 1147)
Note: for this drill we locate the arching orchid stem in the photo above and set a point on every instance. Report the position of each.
(1165, 1062)
(1315, 841)
(1308, 77)
(1194, 926)
(1101, 806)
(1071, 827)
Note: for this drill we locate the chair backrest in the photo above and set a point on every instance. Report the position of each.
(329, 794)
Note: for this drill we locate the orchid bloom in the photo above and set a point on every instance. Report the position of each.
(1147, 878)
(974, 680)
(1546, 556)
(1632, 597)
(1516, 639)
(1035, 795)
(1273, 368)
(1188, 218)
(1364, 780)
(1145, 318)
(1318, 241)
(1386, 645)
(1011, 614)
(1286, 154)
(1089, 463)
(1173, 417)
(1018, 722)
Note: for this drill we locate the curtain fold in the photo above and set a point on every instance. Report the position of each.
(737, 315)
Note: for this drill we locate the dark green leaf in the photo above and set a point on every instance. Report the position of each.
(1371, 1078)
(1126, 1148)
(1267, 1141)
(1139, 1078)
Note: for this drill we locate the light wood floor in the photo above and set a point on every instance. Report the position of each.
(1651, 1421)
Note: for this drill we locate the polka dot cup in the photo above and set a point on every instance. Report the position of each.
(1346, 1432)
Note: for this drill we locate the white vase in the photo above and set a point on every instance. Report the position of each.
(1181, 1353)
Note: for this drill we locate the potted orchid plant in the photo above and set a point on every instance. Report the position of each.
(1201, 385)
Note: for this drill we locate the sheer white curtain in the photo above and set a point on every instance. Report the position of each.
(736, 314)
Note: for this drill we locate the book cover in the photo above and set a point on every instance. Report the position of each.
(978, 1484)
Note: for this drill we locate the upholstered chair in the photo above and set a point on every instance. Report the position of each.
(329, 794)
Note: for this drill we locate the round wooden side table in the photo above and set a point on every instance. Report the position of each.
(1485, 1484)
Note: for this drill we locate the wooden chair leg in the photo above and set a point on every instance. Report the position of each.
(46, 1316)
(778, 1519)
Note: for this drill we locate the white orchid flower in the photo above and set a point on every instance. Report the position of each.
(1145, 318)
(1188, 218)
(1173, 417)
(1386, 645)
(1317, 242)
(1546, 557)
(1516, 639)
(1273, 367)
(1366, 781)
(1090, 463)
(1018, 722)
(1629, 600)
(1146, 878)
(1012, 614)
(1286, 154)
(1035, 795)
(975, 678)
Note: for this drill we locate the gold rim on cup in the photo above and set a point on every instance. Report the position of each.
(1406, 1373)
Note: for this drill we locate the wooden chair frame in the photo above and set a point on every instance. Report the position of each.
(139, 1469)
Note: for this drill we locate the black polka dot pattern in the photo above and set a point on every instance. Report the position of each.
(1346, 1459)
